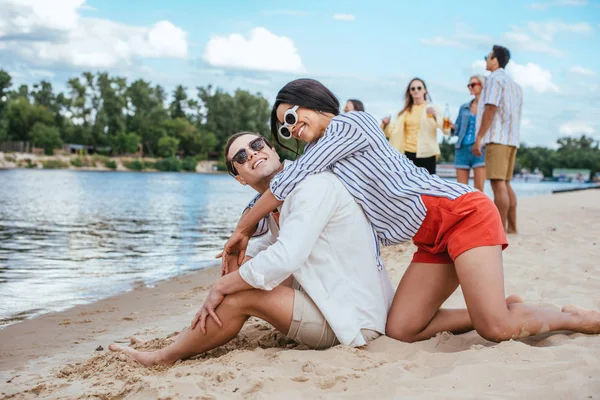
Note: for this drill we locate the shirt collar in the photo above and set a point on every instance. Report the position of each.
(499, 71)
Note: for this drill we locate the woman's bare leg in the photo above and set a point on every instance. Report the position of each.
(275, 307)
(415, 313)
(481, 276)
(479, 178)
(462, 175)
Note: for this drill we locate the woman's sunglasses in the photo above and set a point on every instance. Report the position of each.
(290, 118)
(472, 85)
(242, 155)
(416, 88)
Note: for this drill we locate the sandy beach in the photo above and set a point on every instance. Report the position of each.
(553, 261)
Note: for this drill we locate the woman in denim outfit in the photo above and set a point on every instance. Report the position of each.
(464, 159)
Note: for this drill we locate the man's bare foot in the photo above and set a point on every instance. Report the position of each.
(135, 340)
(143, 357)
(514, 298)
(587, 321)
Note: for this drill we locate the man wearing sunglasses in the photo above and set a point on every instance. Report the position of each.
(498, 129)
(314, 277)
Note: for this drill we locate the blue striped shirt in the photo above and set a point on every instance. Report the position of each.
(386, 184)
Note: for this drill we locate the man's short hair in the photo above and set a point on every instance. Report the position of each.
(502, 54)
(230, 168)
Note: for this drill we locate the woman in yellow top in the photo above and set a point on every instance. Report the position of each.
(414, 132)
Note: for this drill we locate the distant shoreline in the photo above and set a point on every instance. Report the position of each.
(13, 161)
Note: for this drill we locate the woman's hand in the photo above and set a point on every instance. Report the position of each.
(477, 148)
(385, 121)
(208, 309)
(431, 112)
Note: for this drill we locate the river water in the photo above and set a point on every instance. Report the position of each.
(72, 237)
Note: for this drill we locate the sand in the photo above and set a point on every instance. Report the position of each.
(554, 260)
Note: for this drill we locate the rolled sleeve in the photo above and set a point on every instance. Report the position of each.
(492, 92)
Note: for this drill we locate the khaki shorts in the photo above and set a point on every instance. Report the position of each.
(310, 328)
(500, 161)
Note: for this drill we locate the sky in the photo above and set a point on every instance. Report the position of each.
(368, 50)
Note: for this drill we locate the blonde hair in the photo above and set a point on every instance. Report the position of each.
(480, 78)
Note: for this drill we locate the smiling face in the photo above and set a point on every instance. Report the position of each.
(261, 164)
(310, 125)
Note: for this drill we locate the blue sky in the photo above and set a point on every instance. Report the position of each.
(360, 49)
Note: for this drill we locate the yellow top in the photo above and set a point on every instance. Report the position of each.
(412, 126)
(427, 144)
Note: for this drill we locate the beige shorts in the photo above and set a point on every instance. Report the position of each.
(310, 328)
(499, 161)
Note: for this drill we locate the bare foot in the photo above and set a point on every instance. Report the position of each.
(587, 321)
(143, 357)
(135, 340)
(511, 231)
(514, 298)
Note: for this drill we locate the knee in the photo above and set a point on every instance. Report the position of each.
(397, 330)
(495, 330)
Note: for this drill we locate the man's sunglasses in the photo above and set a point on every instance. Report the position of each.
(416, 88)
(472, 85)
(290, 118)
(242, 155)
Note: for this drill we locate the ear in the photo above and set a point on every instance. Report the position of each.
(240, 179)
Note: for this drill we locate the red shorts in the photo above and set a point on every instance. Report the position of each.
(452, 227)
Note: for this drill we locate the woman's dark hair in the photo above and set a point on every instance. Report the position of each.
(357, 104)
(230, 168)
(408, 100)
(502, 54)
(307, 93)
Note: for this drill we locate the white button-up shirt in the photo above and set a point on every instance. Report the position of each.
(504, 93)
(325, 242)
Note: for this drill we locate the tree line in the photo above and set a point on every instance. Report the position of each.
(117, 117)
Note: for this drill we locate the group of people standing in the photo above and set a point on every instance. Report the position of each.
(487, 129)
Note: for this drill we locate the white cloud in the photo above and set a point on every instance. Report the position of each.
(344, 17)
(576, 128)
(578, 70)
(538, 6)
(528, 75)
(441, 41)
(261, 51)
(547, 30)
(53, 35)
(532, 75)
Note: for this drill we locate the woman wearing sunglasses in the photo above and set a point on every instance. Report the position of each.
(414, 132)
(464, 159)
(457, 229)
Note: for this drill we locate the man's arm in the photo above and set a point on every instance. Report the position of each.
(311, 207)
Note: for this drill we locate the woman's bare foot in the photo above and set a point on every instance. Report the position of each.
(143, 357)
(135, 340)
(587, 321)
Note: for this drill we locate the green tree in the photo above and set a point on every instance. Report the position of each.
(125, 143)
(146, 113)
(5, 84)
(167, 146)
(177, 106)
(47, 137)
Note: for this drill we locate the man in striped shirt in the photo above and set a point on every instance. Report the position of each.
(498, 127)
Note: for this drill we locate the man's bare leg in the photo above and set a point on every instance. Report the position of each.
(275, 306)
(512, 209)
(501, 199)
